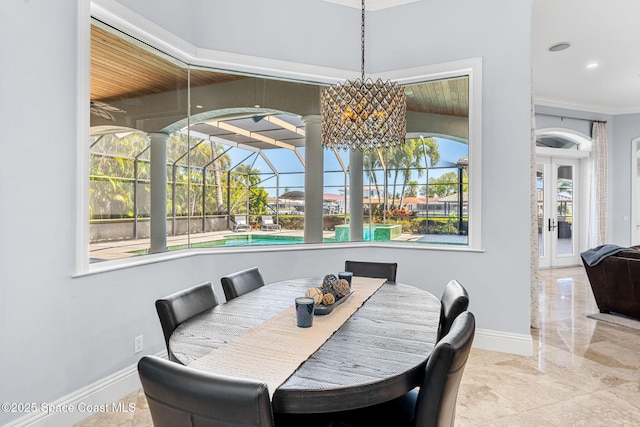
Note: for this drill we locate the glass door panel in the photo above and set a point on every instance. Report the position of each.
(556, 188)
(564, 209)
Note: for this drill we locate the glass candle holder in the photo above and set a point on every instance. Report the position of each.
(304, 311)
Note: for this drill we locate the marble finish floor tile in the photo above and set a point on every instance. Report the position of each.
(583, 372)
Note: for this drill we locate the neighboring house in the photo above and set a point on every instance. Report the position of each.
(451, 203)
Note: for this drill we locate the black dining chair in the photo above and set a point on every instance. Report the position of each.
(434, 403)
(182, 305)
(180, 396)
(454, 301)
(382, 270)
(241, 282)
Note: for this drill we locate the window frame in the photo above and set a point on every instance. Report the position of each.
(161, 39)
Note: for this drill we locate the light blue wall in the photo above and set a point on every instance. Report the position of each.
(39, 302)
(308, 32)
(60, 334)
(626, 129)
(180, 17)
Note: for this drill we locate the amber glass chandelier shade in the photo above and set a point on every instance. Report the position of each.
(363, 115)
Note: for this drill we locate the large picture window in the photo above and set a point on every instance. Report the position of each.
(224, 153)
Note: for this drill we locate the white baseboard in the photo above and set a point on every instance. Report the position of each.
(114, 387)
(83, 403)
(504, 342)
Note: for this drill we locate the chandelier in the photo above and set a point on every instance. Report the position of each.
(363, 114)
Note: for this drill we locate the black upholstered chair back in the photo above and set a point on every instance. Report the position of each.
(182, 305)
(436, 403)
(454, 301)
(383, 270)
(181, 396)
(241, 282)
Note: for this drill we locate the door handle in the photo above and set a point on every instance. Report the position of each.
(552, 224)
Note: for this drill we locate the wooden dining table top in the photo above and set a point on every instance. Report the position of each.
(378, 354)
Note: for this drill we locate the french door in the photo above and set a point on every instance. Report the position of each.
(558, 219)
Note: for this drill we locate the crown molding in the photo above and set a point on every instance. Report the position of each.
(599, 109)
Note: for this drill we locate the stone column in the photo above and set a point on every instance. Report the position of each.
(158, 178)
(313, 179)
(355, 195)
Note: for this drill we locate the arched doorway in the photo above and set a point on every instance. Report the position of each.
(561, 160)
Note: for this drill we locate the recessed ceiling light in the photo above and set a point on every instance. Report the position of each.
(199, 106)
(592, 65)
(559, 46)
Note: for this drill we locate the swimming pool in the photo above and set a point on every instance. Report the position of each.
(240, 240)
(250, 240)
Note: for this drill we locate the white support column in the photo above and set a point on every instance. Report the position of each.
(313, 180)
(355, 196)
(158, 178)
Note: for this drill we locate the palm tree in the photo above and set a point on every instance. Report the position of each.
(423, 147)
(220, 164)
(370, 163)
(394, 161)
(409, 157)
(246, 181)
(412, 190)
(112, 166)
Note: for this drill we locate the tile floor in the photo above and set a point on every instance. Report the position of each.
(583, 372)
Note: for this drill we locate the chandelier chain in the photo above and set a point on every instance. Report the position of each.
(363, 114)
(362, 42)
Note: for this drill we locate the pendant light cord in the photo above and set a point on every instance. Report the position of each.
(362, 42)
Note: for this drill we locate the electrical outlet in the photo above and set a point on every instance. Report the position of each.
(138, 346)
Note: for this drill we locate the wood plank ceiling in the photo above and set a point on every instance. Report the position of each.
(123, 68)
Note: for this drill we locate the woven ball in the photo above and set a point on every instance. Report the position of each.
(328, 299)
(341, 288)
(315, 293)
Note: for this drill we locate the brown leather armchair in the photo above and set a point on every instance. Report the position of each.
(615, 282)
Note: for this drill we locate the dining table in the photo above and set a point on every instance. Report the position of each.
(376, 353)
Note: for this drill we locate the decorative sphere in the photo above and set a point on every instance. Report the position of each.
(341, 288)
(328, 299)
(327, 284)
(329, 280)
(315, 293)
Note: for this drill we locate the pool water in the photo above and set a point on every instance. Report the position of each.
(251, 240)
(241, 240)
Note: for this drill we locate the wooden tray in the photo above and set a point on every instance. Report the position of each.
(322, 309)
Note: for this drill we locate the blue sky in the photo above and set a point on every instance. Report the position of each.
(292, 171)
